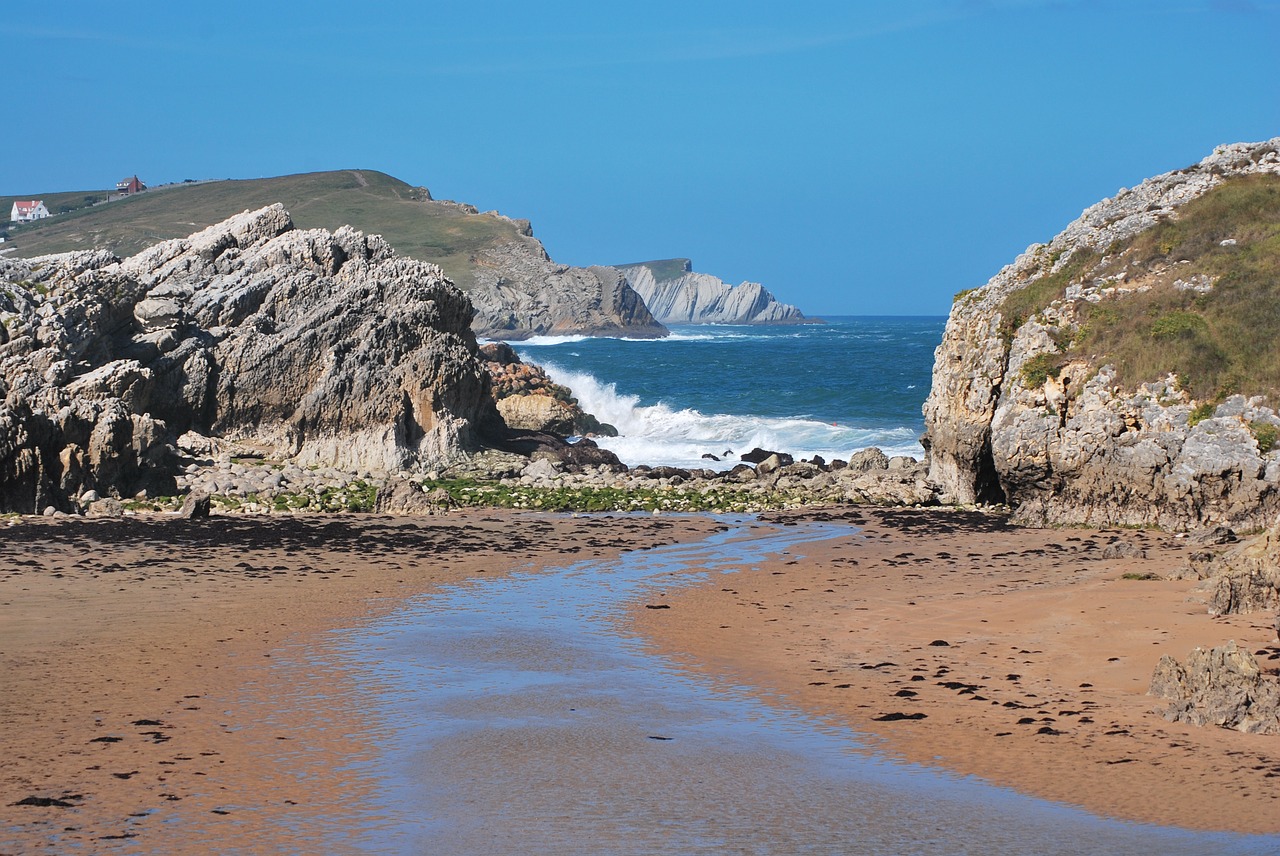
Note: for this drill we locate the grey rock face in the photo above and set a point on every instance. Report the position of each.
(1075, 448)
(699, 298)
(519, 292)
(323, 348)
(1222, 686)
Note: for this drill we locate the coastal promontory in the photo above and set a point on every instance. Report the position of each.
(1127, 371)
(676, 294)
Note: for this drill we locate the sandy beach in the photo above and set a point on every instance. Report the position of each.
(1018, 655)
(171, 683)
(139, 691)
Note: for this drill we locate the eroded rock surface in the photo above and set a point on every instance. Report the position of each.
(519, 292)
(1221, 686)
(530, 401)
(1015, 414)
(323, 348)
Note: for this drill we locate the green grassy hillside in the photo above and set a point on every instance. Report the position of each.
(1219, 341)
(370, 201)
(663, 269)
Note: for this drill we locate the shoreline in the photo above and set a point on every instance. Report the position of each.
(204, 653)
(1020, 656)
(176, 681)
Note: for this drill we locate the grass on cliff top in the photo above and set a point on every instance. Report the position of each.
(663, 269)
(1221, 342)
(370, 201)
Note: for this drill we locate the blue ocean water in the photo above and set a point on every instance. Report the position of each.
(821, 389)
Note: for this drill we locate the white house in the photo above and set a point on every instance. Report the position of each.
(24, 211)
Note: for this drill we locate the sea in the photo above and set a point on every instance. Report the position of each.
(828, 389)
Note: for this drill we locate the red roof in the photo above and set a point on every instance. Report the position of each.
(27, 205)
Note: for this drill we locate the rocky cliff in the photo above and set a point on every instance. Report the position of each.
(321, 347)
(519, 292)
(677, 295)
(1125, 372)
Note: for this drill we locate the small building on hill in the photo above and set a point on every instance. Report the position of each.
(26, 210)
(130, 185)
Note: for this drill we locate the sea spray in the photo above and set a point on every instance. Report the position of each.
(827, 390)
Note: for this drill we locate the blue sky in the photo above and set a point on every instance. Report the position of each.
(855, 157)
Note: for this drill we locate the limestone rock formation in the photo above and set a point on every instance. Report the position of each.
(1029, 405)
(530, 401)
(520, 292)
(323, 348)
(698, 298)
(1222, 686)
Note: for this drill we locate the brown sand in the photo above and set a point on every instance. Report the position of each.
(1041, 685)
(174, 682)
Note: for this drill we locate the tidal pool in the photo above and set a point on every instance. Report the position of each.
(516, 719)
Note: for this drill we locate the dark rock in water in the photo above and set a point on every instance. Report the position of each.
(195, 506)
(757, 455)
(1222, 686)
(709, 457)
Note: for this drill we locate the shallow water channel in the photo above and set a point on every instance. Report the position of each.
(521, 721)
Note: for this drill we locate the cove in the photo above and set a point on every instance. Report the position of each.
(517, 719)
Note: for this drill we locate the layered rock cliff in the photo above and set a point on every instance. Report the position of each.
(675, 294)
(1124, 372)
(519, 292)
(322, 348)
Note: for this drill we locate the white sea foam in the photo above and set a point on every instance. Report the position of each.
(536, 341)
(659, 435)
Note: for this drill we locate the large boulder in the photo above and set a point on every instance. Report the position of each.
(321, 347)
(1220, 686)
(530, 401)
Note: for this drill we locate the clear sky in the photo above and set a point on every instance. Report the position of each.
(855, 157)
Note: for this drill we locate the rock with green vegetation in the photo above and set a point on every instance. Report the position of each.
(319, 348)
(517, 289)
(678, 295)
(1129, 370)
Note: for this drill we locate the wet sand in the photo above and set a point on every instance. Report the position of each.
(139, 694)
(175, 684)
(1021, 656)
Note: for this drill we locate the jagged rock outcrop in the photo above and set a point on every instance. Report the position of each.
(323, 348)
(1028, 405)
(530, 401)
(1222, 686)
(520, 292)
(699, 298)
